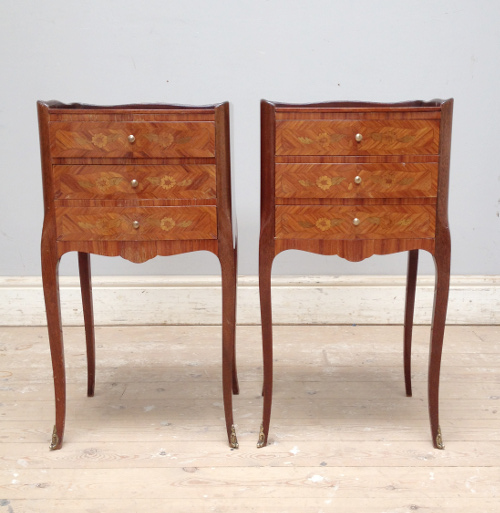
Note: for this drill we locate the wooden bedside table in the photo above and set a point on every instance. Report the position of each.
(136, 181)
(353, 180)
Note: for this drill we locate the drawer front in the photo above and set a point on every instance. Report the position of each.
(132, 140)
(395, 180)
(129, 182)
(377, 137)
(347, 223)
(136, 224)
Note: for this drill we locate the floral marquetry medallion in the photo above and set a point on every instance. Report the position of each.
(323, 182)
(104, 183)
(98, 140)
(167, 224)
(168, 182)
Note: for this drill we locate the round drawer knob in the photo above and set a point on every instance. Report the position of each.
(135, 224)
(134, 183)
(356, 221)
(358, 180)
(359, 137)
(131, 138)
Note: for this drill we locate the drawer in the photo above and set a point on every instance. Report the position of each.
(136, 224)
(347, 223)
(129, 182)
(377, 137)
(132, 139)
(394, 180)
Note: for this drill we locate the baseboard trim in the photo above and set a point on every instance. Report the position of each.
(153, 300)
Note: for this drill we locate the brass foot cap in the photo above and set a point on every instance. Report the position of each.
(262, 438)
(439, 439)
(233, 443)
(55, 440)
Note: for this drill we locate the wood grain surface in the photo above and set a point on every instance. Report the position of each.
(385, 180)
(376, 222)
(356, 179)
(394, 137)
(154, 223)
(86, 138)
(344, 435)
(136, 181)
(189, 181)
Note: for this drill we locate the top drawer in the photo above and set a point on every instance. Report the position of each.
(132, 139)
(357, 137)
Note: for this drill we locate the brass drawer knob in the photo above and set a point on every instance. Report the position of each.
(135, 224)
(134, 183)
(359, 137)
(131, 138)
(357, 179)
(356, 221)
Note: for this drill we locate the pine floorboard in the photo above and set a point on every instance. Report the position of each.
(343, 437)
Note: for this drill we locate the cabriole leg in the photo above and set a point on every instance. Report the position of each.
(265, 267)
(442, 261)
(411, 285)
(50, 264)
(236, 387)
(88, 317)
(228, 267)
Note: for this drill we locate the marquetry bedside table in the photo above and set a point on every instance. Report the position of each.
(353, 180)
(135, 181)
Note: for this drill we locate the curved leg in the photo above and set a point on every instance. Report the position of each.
(50, 264)
(442, 261)
(88, 316)
(411, 285)
(265, 267)
(228, 267)
(236, 387)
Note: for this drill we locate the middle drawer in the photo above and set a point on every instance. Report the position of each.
(187, 181)
(370, 180)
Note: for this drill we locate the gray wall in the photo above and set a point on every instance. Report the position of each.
(199, 52)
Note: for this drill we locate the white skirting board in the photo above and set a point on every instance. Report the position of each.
(196, 300)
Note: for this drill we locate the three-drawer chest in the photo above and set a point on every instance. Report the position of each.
(357, 179)
(135, 181)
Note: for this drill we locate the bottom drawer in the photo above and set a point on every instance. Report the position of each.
(352, 222)
(136, 224)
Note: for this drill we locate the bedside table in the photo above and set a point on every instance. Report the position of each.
(135, 181)
(354, 180)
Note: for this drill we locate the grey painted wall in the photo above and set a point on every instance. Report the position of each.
(199, 52)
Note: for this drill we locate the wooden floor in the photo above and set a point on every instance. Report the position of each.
(344, 437)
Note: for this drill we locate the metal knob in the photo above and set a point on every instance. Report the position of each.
(134, 183)
(356, 221)
(131, 138)
(358, 179)
(359, 137)
(135, 224)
